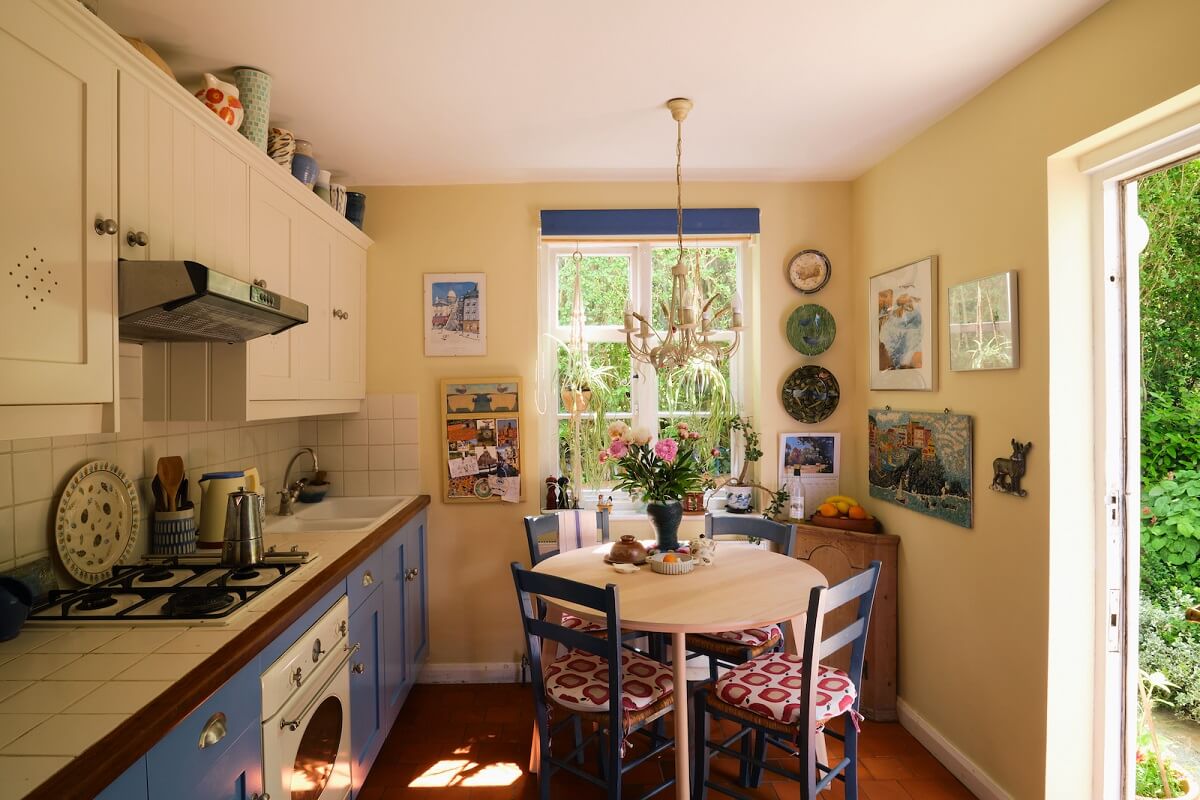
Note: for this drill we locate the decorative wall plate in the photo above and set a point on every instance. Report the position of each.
(97, 522)
(809, 271)
(810, 394)
(811, 329)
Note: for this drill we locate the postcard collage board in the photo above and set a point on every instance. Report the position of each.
(483, 440)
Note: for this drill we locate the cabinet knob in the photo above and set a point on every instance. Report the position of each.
(411, 575)
(106, 227)
(138, 239)
(261, 283)
(338, 313)
(214, 730)
(368, 578)
(263, 796)
(358, 668)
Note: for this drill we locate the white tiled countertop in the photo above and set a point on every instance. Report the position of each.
(63, 687)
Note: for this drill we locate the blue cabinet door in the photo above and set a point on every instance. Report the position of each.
(416, 622)
(130, 786)
(367, 726)
(395, 664)
(236, 775)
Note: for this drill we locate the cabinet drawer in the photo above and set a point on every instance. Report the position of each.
(180, 761)
(365, 579)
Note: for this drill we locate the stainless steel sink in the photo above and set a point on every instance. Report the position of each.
(350, 514)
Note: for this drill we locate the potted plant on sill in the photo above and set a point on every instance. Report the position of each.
(1154, 775)
(660, 472)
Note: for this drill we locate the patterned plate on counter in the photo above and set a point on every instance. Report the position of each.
(810, 394)
(98, 520)
(811, 329)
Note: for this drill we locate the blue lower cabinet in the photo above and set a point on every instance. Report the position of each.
(216, 753)
(130, 786)
(416, 615)
(368, 728)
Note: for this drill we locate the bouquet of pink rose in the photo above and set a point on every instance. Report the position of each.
(658, 471)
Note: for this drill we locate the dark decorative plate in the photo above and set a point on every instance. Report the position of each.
(810, 394)
(811, 329)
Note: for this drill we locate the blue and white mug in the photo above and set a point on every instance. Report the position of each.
(174, 533)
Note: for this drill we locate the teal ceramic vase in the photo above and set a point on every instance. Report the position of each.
(665, 517)
(254, 91)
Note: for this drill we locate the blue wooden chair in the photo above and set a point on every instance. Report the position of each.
(598, 681)
(781, 702)
(541, 529)
(731, 648)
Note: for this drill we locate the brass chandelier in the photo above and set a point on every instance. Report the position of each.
(689, 335)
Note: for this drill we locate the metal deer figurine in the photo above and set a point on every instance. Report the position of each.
(1007, 472)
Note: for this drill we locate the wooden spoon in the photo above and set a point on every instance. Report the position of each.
(170, 473)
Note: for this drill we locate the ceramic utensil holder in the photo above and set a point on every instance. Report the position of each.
(281, 146)
(174, 533)
(254, 90)
(337, 198)
(322, 187)
(356, 208)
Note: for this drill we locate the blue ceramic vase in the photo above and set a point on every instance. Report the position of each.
(665, 518)
(356, 208)
(304, 169)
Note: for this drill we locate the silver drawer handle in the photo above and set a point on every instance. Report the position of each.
(368, 578)
(214, 730)
(293, 724)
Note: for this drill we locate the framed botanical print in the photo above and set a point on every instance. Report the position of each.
(984, 333)
(903, 327)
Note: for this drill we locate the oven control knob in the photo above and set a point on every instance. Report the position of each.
(297, 677)
(342, 627)
(317, 651)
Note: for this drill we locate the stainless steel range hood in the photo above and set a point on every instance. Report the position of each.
(182, 301)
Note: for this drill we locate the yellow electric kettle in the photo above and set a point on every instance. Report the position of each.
(215, 488)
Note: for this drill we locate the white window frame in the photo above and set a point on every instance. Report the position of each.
(644, 388)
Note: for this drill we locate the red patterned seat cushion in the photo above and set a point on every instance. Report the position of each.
(750, 637)
(770, 686)
(579, 681)
(580, 624)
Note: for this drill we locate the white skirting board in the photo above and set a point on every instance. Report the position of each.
(472, 672)
(979, 782)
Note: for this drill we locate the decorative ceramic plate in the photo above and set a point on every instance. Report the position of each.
(811, 329)
(97, 522)
(809, 271)
(483, 489)
(810, 394)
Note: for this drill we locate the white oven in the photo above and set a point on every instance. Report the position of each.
(306, 713)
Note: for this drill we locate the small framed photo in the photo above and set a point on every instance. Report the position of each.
(456, 314)
(903, 327)
(809, 454)
(984, 331)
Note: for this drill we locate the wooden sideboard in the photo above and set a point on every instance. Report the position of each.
(840, 555)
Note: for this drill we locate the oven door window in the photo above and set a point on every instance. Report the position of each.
(318, 751)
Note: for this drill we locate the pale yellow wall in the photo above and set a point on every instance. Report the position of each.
(972, 189)
(493, 229)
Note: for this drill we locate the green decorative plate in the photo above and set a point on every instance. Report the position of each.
(483, 489)
(811, 329)
(810, 394)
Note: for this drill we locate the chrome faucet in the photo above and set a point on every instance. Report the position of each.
(291, 491)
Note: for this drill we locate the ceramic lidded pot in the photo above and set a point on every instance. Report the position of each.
(222, 99)
(627, 551)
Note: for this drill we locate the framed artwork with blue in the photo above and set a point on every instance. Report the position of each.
(903, 327)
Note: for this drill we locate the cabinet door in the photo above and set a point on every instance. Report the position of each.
(236, 775)
(416, 621)
(57, 277)
(130, 786)
(310, 285)
(231, 193)
(395, 664)
(367, 726)
(348, 325)
(273, 242)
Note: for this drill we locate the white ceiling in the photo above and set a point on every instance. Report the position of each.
(483, 91)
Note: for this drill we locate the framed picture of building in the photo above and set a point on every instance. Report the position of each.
(456, 314)
(482, 453)
(922, 461)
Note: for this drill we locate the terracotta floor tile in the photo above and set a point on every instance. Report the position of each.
(491, 727)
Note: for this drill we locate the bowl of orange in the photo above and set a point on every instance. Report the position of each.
(671, 563)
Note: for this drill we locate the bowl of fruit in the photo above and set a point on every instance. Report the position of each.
(671, 563)
(844, 512)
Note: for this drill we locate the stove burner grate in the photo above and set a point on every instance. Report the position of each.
(156, 575)
(197, 602)
(96, 601)
(243, 574)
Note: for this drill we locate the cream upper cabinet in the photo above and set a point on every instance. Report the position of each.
(57, 303)
(274, 242)
(311, 268)
(348, 324)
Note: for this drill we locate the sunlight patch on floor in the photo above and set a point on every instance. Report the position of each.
(463, 772)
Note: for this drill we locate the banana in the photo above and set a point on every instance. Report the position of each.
(841, 498)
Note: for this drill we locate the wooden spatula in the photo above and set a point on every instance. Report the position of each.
(170, 473)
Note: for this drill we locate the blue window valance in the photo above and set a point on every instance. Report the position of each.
(649, 222)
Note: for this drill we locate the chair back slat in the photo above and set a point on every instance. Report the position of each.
(573, 639)
(537, 528)
(850, 589)
(780, 534)
(842, 638)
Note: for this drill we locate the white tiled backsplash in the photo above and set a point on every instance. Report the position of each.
(373, 452)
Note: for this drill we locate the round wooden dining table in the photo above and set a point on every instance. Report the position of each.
(745, 587)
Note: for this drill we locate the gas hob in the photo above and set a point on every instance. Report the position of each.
(193, 589)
